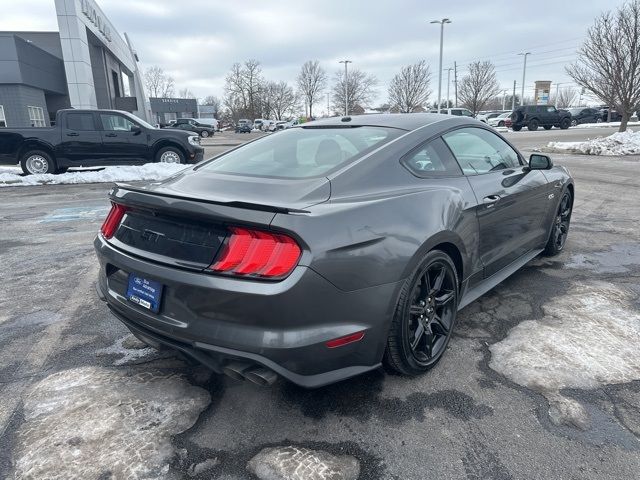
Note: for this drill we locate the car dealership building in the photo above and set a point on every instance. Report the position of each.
(86, 64)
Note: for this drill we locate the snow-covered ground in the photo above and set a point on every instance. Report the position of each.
(12, 176)
(620, 143)
(605, 125)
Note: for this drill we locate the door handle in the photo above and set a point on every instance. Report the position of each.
(72, 134)
(111, 135)
(491, 199)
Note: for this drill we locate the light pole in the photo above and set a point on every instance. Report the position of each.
(346, 91)
(441, 22)
(524, 71)
(448, 83)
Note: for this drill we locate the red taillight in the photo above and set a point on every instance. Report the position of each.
(113, 220)
(257, 253)
(339, 342)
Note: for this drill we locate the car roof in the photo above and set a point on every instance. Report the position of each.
(404, 121)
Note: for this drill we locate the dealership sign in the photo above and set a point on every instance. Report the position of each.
(91, 12)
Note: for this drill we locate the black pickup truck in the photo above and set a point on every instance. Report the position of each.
(95, 137)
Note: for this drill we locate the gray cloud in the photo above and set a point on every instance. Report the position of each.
(196, 41)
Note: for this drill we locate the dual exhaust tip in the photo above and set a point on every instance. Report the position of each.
(251, 372)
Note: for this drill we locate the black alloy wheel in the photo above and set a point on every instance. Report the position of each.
(560, 228)
(425, 317)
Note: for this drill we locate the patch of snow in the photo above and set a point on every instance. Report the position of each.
(130, 349)
(297, 463)
(620, 143)
(94, 422)
(588, 338)
(605, 125)
(125, 173)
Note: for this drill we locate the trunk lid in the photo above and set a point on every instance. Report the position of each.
(183, 221)
(277, 194)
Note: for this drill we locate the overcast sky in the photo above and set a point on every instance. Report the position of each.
(196, 41)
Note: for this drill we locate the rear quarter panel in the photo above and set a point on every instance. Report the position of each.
(381, 220)
(13, 142)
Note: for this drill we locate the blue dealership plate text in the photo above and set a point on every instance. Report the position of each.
(144, 292)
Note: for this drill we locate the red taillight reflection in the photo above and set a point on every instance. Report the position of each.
(339, 342)
(257, 253)
(113, 220)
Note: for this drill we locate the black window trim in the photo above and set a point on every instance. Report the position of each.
(404, 161)
(521, 159)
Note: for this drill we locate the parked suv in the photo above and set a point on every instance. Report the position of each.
(193, 125)
(534, 116)
(458, 112)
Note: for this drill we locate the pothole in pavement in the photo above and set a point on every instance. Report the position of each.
(94, 422)
(587, 338)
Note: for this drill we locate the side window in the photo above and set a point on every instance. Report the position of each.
(466, 113)
(80, 121)
(114, 122)
(480, 151)
(431, 159)
(551, 109)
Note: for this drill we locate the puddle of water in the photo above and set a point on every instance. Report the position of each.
(93, 422)
(615, 260)
(587, 339)
(70, 214)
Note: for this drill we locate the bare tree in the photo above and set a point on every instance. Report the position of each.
(409, 89)
(478, 86)
(213, 101)
(243, 87)
(564, 98)
(360, 89)
(158, 83)
(279, 100)
(186, 93)
(312, 80)
(608, 63)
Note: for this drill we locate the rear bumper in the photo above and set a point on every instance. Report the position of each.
(283, 326)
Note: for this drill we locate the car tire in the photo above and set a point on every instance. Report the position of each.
(421, 327)
(516, 128)
(501, 124)
(169, 155)
(204, 134)
(36, 162)
(533, 125)
(547, 127)
(598, 120)
(564, 123)
(574, 122)
(560, 227)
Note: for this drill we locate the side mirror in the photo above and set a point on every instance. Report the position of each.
(540, 162)
(135, 129)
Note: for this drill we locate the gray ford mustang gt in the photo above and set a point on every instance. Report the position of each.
(324, 251)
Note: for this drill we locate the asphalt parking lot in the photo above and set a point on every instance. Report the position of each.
(541, 381)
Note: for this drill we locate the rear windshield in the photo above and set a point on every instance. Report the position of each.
(302, 152)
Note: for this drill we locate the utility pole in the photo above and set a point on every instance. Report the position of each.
(504, 98)
(524, 71)
(513, 98)
(455, 80)
(448, 84)
(441, 22)
(346, 90)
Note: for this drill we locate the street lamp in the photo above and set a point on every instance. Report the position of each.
(346, 102)
(441, 22)
(448, 83)
(524, 71)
